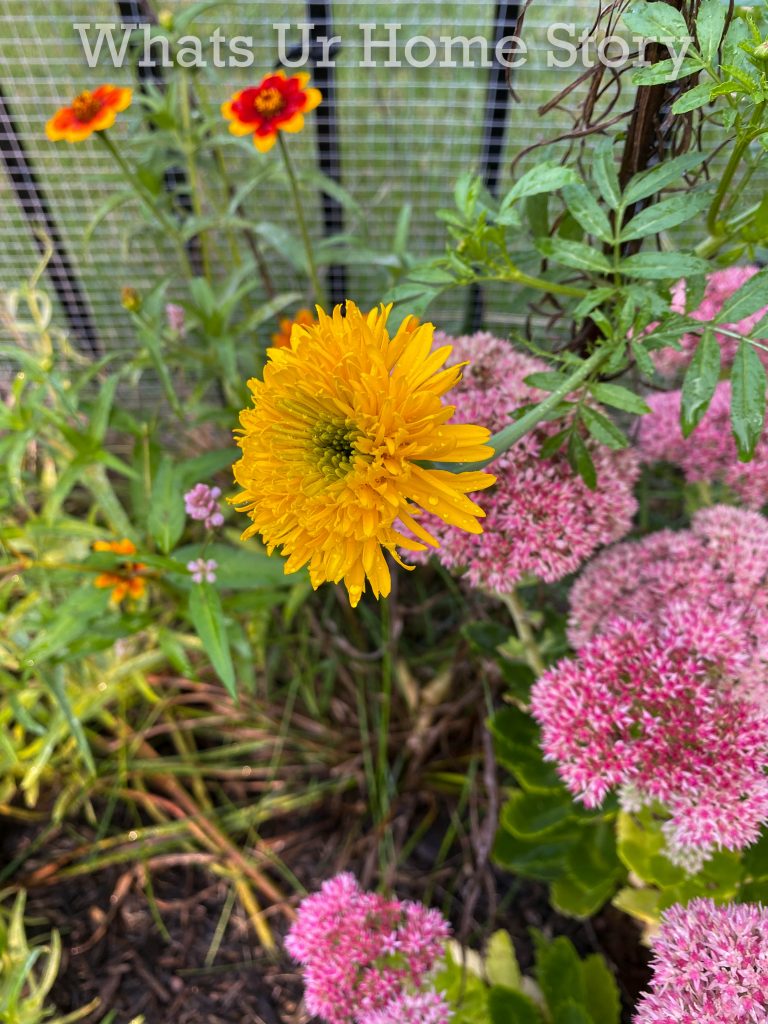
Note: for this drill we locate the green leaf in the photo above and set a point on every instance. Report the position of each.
(558, 970)
(57, 686)
(693, 99)
(710, 23)
(648, 183)
(534, 815)
(603, 429)
(571, 1012)
(99, 415)
(700, 382)
(571, 898)
(620, 398)
(166, 515)
(207, 616)
(516, 740)
(546, 380)
(507, 1007)
(749, 299)
(662, 266)
(546, 177)
(605, 174)
(602, 998)
(587, 211)
(644, 362)
(658, 22)
(669, 213)
(581, 461)
(574, 254)
(533, 858)
(245, 567)
(501, 964)
(665, 71)
(747, 400)
(267, 310)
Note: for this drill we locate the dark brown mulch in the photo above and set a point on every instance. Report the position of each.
(114, 948)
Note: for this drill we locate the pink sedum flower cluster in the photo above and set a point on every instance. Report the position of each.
(720, 286)
(202, 503)
(717, 570)
(710, 966)
(650, 710)
(710, 453)
(368, 959)
(541, 518)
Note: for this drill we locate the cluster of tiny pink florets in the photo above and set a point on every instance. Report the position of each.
(710, 966)
(368, 959)
(541, 518)
(202, 503)
(720, 286)
(714, 576)
(651, 710)
(709, 453)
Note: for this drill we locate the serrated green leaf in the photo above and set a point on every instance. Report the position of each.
(700, 382)
(546, 177)
(605, 174)
(659, 21)
(669, 213)
(747, 400)
(710, 23)
(648, 183)
(665, 71)
(558, 971)
(537, 815)
(662, 266)
(574, 254)
(603, 429)
(587, 211)
(581, 461)
(619, 397)
(693, 99)
(207, 616)
(531, 858)
(644, 362)
(749, 299)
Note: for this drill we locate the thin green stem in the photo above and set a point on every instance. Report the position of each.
(194, 180)
(539, 283)
(148, 200)
(731, 167)
(311, 265)
(525, 633)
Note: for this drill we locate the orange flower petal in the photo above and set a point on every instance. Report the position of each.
(293, 124)
(314, 99)
(264, 142)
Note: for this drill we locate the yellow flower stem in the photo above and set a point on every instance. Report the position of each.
(149, 202)
(317, 288)
(504, 439)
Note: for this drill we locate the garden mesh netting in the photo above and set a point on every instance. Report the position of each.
(402, 135)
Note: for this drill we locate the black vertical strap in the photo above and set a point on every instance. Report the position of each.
(138, 13)
(35, 208)
(494, 129)
(328, 146)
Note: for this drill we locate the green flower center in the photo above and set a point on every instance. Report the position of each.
(334, 446)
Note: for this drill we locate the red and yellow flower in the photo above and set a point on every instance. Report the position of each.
(282, 338)
(277, 104)
(127, 582)
(89, 112)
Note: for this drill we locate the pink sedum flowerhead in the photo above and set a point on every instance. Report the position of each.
(362, 952)
(422, 1008)
(720, 286)
(541, 518)
(649, 710)
(717, 570)
(710, 453)
(710, 966)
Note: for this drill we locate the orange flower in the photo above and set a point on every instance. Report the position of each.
(276, 104)
(124, 584)
(89, 112)
(282, 338)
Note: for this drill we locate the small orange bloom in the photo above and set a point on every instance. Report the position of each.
(277, 104)
(89, 112)
(126, 583)
(282, 338)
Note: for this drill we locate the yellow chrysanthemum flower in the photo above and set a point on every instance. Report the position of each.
(331, 449)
